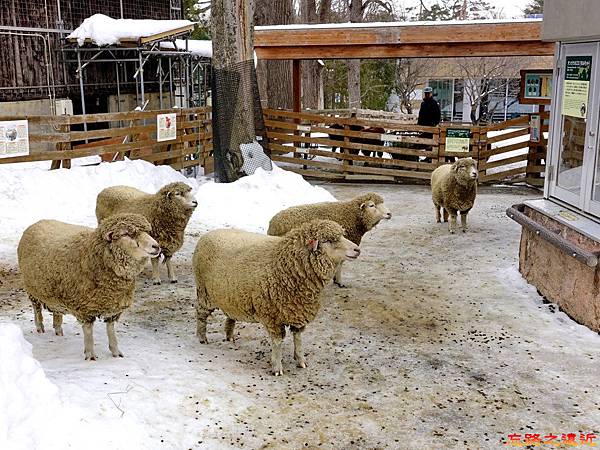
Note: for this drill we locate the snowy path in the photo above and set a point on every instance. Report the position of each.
(437, 343)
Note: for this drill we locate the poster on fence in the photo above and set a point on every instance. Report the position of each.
(166, 127)
(577, 86)
(14, 138)
(457, 140)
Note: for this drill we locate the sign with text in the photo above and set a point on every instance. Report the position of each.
(166, 127)
(457, 140)
(535, 127)
(576, 88)
(14, 138)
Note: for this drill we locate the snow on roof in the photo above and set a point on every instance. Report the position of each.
(103, 30)
(196, 47)
(392, 24)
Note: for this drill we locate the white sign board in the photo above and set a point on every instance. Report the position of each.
(166, 127)
(14, 138)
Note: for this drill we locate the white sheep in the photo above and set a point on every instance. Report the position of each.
(356, 216)
(454, 188)
(276, 281)
(168, 212)
(89, 273)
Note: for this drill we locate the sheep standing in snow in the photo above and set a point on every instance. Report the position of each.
(276, 281)
(356, 216)
(70, 269)
(453, 188)
(168, 211)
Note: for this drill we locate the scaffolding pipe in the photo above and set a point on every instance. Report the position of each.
(118, 88)
(160, 83)
(81, 90)
(141, 77)
(170, 82)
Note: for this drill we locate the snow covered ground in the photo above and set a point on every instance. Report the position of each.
(436, 343)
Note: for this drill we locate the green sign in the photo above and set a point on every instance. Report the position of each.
(538, 86)
(578, 70)
(457, 140)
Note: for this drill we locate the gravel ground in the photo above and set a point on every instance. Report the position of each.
(436, 342)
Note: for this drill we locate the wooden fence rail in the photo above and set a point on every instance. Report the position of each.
(314, 145)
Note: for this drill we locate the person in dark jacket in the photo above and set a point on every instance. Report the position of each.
(429, 113)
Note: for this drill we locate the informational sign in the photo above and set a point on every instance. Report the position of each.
(535, 128)
(14, 138)
(578, 70)
(166, 127)
(536, 86)
(457, 140)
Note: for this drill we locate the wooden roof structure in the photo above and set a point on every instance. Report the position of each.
(482, 38)
(402, 40)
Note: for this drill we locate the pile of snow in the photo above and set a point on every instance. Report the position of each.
(34, 416)
(252, 201)
(194, 46)
(30, 192)
(103, 30)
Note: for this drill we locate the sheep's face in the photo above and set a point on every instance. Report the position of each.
(139, 245)
(340, 249)
(373, 213)
(182, 194)
(465, 170)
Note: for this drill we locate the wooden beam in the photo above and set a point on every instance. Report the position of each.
(297, 85)
(402, 40)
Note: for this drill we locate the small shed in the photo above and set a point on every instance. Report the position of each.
(560, 243)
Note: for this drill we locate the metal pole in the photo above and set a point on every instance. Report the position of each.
(80, 72)
(141, 78)
(171, 81)
(160, 83)
(118, 89)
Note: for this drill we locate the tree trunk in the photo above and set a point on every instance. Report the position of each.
(275, 77)
(233, 110)
(356, 16)
(312, 76)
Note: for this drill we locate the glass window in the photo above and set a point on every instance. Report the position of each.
(572, 146)
(443, 93)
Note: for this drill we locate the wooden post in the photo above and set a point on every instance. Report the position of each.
(535, 149)
(66, 163)
(442, 146)
(476, 144)
(297, 85)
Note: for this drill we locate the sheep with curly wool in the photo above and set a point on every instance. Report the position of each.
(276, 281)
(168, 212)
(356, 216)
(89, 273)
(454, 188)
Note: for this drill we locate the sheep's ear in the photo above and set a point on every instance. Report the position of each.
(313, 244)
(113, 235)
(455, 167)
(169, 195)
(362, 205)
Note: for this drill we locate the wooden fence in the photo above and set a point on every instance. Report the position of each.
(384, 150)
(115, 135)
(314, 145)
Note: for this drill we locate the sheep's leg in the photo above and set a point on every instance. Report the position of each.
(37, 315)
(88, 340)
(337, 278)
(438, 216)
(276, 344)
(229, 327)
(203, 311)
(170, 270)
(298, 350)
(57, 319)
(155, 272)
(112, 338)
(452, 223)
(463, 220)
(445, 214)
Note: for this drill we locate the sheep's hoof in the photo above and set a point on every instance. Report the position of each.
(117, 354)
(338, 284)
(40, 329)
(301, 364)
(156, 282)
(278, 372)
(202, 339)
(89, 356)
(59, 332)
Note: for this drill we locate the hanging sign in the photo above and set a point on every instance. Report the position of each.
(457, 140)
(535, 128)
(535, 86)
(166, 127)
(14, 138)
(578, 70)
